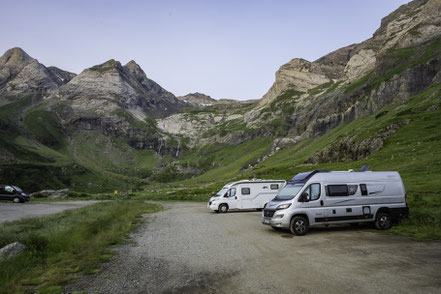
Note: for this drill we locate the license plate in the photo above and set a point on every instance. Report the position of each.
(266, 221)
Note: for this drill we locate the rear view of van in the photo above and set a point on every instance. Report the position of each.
(322, 197)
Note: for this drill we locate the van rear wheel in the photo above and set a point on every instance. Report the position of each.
(223, 208)
(383, 221)
(299, 226)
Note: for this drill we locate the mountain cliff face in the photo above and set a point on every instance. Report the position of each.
(411, 25)
(402, 58)
(20, 73)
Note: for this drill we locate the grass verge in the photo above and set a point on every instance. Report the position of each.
(61, 246)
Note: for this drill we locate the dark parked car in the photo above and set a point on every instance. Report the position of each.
(14, 193)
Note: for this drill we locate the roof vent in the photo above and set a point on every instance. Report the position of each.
(364, 168)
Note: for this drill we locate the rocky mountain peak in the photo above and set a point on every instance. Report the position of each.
(15, 58)
(20, 74)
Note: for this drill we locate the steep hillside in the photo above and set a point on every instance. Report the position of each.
(91, 132)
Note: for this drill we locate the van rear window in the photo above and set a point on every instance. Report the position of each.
(337, 190)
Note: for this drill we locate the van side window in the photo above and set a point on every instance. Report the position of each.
(232, 192)
(274, 187)
(337, 190)
(245, 191)
(363, 189)
(9, 189)
(352, 189)
(314, 192)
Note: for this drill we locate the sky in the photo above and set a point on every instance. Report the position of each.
(225, 49)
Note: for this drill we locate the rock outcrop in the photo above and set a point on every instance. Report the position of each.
(198, 99)
(64, 193)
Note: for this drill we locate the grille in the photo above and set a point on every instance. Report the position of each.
(268, 213)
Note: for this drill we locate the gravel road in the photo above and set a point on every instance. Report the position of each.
(188, 249)
(14, 211)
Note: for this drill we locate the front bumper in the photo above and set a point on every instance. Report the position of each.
(213, 205)
(275, 218)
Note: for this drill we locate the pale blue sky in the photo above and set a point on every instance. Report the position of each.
(226, 49)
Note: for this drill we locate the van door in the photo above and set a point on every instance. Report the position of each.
(341, 202)
(315, 209)
(247, 196)
(231, 198)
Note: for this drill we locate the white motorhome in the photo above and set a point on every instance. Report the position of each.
(246, 194)
(322, 197)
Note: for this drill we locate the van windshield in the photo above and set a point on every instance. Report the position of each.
(289, 192)
(221, 192)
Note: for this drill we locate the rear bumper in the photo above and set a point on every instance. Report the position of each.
(399, 213)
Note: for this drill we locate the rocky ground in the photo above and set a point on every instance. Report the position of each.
(188, 249)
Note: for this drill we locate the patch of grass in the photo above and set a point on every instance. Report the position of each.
(61, 245)
(45, 128)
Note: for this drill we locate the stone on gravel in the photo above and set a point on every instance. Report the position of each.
(11, 250)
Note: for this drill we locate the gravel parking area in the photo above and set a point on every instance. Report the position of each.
(188, 249)
(14, 211)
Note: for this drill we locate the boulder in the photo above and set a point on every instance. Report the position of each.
(11, 250)
(64, 193)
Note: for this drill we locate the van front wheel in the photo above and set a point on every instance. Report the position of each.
(383, 221)
(299, 226)
(223, 208)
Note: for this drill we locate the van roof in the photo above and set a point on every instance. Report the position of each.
(348, 176)
(255, 181)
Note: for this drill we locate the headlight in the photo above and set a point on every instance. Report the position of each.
(283, 206)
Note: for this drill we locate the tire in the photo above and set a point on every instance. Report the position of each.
(223, 208)
(17, 200)
(299, 226)
(383, 221)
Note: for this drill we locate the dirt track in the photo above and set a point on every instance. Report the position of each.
(188, 249)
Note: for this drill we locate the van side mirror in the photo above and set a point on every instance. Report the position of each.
(304, 197)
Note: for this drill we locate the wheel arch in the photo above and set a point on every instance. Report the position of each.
(383, 209)
(302, 215)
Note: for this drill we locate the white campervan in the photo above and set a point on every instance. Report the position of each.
(322, 197)
(247, 194)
